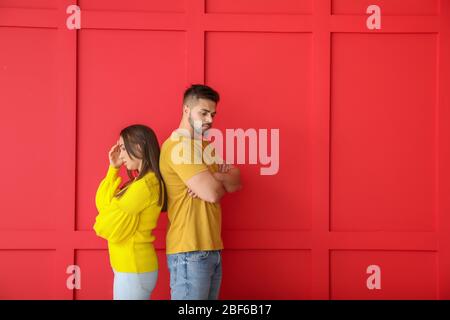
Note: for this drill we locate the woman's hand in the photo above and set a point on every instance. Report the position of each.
(114, 159)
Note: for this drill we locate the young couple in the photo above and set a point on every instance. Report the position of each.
(190, 191)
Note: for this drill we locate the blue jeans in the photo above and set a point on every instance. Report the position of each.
(134, 286)
(195, 275)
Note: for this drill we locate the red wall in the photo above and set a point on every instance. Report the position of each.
(363, 114)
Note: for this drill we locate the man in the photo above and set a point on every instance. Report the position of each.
(194, 189)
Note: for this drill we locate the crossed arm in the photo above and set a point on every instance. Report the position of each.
(211, 187)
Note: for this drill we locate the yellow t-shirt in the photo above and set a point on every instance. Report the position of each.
(194, 224)
(127, 221)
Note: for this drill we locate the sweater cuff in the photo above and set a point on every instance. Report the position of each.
(112, 173)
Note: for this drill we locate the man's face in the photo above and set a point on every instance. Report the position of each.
(201, 115)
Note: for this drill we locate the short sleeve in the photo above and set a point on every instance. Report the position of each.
(186, 166)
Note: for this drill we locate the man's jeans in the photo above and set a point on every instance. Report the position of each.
(195, 275)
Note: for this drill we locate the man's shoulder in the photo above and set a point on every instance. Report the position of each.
(165, 157)
(167, 144)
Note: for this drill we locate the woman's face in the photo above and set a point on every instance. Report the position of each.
(128, 162)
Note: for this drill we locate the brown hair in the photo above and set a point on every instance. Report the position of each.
(141, 142)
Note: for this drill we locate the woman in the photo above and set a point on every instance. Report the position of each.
(128, 215)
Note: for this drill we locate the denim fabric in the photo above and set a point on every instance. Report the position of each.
(134, 286)
(195, 275)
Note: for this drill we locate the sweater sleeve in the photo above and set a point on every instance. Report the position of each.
(118, 220)
(107, 188)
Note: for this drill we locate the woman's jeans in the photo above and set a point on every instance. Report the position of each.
(134, 286)
(195, 275)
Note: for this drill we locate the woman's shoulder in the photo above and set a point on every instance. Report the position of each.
(150, 180)
(146, 188)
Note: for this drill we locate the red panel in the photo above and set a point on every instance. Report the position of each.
(28, 125)
(96, 275)
(125, 77)
(278, 99)
(258, 6)
(29, 4)
(388, 7)
(403, 275)
(27, 274)
(133, 5)
(266, 274)
(444, 153)
(383, 132)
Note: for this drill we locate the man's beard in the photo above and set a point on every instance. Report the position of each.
(197, 126)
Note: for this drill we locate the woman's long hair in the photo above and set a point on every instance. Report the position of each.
(141, 142)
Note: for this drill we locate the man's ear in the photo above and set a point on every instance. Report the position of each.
(186, 109)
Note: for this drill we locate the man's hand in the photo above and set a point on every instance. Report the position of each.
(229, 176)
(224, 168)
(192, 193)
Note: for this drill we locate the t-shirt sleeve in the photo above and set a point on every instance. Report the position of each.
(184, 167)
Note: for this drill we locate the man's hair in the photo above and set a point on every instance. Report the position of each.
(200, 91)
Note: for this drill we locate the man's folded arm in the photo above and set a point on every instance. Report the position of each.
(206, 186)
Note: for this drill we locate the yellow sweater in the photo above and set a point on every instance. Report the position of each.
(127, 222)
